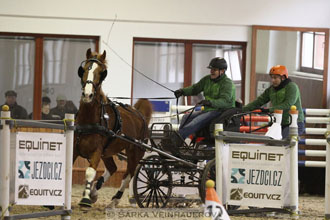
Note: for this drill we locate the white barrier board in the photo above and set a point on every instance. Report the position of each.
(257, 175)
(40, 168)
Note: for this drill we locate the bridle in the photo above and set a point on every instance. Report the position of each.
(81, 72)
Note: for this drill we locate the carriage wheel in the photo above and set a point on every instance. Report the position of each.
(152, 183)
(210, 174)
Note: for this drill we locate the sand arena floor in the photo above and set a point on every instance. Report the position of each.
(311, 207)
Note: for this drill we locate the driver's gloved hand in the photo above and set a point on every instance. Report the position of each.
(178, 93)
(205, 103)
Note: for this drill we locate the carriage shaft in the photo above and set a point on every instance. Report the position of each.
(146, 146)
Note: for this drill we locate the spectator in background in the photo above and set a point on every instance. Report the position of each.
(16, 111)
(63, 106)
(45, 110)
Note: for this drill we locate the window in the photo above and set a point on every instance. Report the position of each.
(36, 65)
(61, 59)
(160, 61)
(234, 70)
(17, 68)
(180, 63)
(312, 52)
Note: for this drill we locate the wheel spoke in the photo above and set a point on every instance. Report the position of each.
(141, 187)
(158, 173)
(152, 184)
(151, 193)
(163, 174)
(143, 174)
(160, 197)
(138, 178)
(156, 198)
(160, 190)
(154, 173)
(149, 173)
(147, 196)
(153, 199)
(141, 193)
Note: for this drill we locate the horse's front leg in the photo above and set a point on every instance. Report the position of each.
(134, 155)
(90, 175)
(110, 169)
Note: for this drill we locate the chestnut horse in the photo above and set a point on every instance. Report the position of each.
(96, 120)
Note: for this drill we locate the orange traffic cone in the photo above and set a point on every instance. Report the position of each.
(213, 207)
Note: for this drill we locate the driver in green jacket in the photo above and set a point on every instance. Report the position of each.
(283, 93)
(219, 92)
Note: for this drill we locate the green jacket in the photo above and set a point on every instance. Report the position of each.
(282, 99)
(220, 92)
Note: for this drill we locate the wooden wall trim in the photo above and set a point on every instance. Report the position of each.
(243, 71)
(243, 43)
(253, 65)
(96, 38)
(132, 76)
(283, 28)
(325, 70)
(188, 67)
(37, 85)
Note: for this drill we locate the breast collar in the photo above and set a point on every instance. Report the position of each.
(102, 127)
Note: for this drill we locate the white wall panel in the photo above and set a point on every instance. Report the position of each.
(198, 19)
(305, 13)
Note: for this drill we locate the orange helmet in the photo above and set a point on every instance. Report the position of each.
(279, 70)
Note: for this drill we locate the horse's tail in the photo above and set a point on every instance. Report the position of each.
(145, 107)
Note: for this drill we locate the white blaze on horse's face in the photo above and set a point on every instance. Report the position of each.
(88, 90)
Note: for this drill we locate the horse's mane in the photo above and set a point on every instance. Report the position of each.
(103, 96)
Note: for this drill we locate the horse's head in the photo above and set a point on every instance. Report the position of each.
(92, 72)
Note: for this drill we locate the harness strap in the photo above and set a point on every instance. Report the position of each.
(102, 127)
(144, 130)
(92, 129)
(136, 112)
(118, 122)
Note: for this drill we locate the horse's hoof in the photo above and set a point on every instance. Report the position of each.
(85, 209)
(113, 203)
(94, 193)
(85, 203)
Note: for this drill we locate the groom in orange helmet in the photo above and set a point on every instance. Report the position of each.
(283, 93)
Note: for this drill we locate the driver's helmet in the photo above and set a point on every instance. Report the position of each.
(218, 63)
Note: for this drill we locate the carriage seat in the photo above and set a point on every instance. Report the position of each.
(172, 141)
(229, 123)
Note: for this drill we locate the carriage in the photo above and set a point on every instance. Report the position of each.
(105, 129)
(157, 175)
